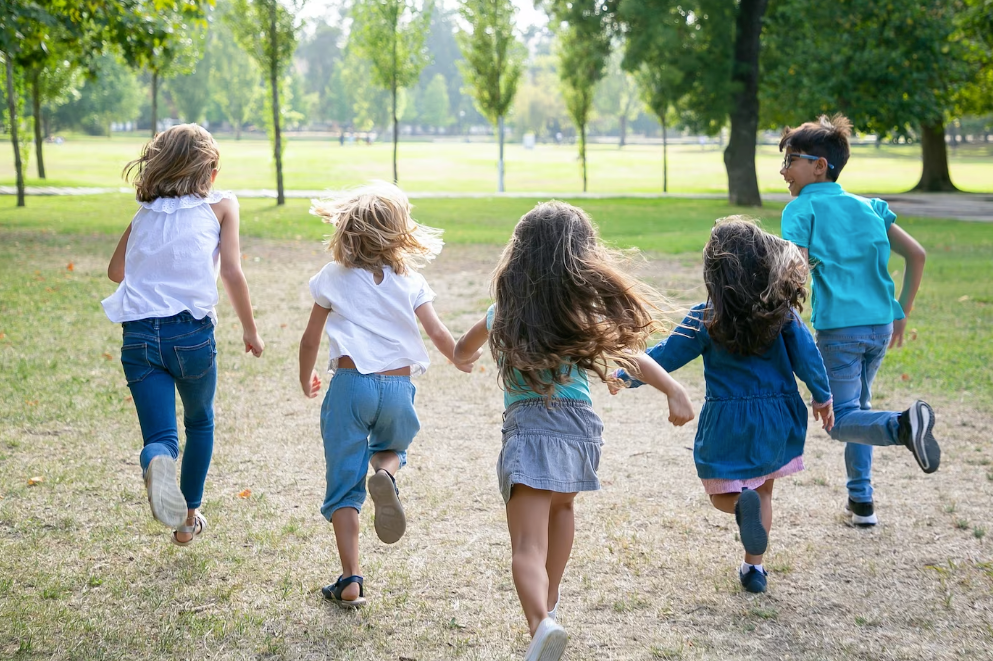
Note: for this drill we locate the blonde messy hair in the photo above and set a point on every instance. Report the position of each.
(177, 162)
(373, 228)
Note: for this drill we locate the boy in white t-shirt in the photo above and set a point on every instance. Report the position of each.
(369, 299)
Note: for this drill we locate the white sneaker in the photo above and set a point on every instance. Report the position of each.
(165, 498)
(548, 643)
(554, 612)
(863, 514)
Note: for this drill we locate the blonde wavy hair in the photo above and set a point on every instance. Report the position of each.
(373, 228)
(562, 300)
(177, 162)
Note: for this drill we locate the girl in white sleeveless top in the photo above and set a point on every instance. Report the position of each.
(167, 263)
(369, 300)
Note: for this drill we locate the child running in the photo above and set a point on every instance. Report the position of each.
(848, 239)
(754, 422)
(369, 298)
(562, 308)
(167, 264)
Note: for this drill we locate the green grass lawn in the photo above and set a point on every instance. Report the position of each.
(315, 164)
(953, 318)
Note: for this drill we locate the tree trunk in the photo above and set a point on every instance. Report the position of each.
(396, 135)
(582, 150)
(155, 102)
(739, 157)
(500, 160)
(12, 113)
(665, 153)
(36, 111)
(934, 154)
(623, 130)
(274, 82)
(237, 131)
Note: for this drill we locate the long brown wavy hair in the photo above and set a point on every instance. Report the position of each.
(754, 281)
(177, 162)
(373, 228)
(561, 300)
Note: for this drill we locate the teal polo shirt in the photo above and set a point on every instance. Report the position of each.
(577, 386)
(846, 239)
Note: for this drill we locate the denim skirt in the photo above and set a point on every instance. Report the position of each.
(553, 446)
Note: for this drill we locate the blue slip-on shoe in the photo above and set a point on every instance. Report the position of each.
(754, 580)
(748, 514)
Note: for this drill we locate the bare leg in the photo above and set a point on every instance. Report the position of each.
(725, 502)
(186, 536)
(387, 460)
(346, 535)
(527, 520)
(561, 531)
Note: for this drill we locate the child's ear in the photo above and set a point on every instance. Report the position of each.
(213, 175)
(820, 167)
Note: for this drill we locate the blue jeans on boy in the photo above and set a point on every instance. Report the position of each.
(161, 356)
(852, 357)
(363, 414)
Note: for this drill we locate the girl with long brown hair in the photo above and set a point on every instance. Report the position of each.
(562, 309)
(753, 423)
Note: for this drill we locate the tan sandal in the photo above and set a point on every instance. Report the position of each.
(198, 526)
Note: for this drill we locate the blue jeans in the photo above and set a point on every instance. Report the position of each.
(161, 356)
(852, 357)
(363, 414)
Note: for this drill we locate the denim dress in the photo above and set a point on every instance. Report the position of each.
(754, 420)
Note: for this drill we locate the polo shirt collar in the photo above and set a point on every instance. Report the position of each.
(822, 188)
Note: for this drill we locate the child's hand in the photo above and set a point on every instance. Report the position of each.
(825, 413)
(896, 339)
(680, 408)
(254, 343)
(470, 364)
(312, 388)
(614, 384)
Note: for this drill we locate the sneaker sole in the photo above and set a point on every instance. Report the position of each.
(552, 647)
(924, 446)
(861, 521)
(753, 535)
(390, 520)
(164, 497)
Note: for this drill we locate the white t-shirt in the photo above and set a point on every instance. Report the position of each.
(172, 260)
(374, 325)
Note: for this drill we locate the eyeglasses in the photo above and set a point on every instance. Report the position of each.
(788, 159)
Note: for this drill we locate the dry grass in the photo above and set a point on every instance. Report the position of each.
(85, 573)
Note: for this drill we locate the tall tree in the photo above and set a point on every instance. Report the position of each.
(191, 91)
(390, 34)
(494, 60)
(234, 76)
(656, 84)
(584, 50)
(268, 29)
(111, 94)
(434, 103)
(617, 95)
(320, 52)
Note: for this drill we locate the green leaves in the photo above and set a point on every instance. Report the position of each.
(494, 58)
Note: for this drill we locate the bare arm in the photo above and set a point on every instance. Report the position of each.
(441, 337)
(115, 270)
(233, 277)
(471, 343)
(310, 344)
(913, 253)
(650, 372)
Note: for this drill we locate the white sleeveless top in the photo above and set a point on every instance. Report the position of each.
(374, 325)
(172, 260)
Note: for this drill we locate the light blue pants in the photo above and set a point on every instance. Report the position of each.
(852, 357)
(363, 414)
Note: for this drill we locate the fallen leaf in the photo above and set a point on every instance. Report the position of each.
(963, 299)
(913, 334)
(282, 325)
(3, 335)
(245, 493)
(31, 402)
(482, 368)
(129, 398)
(34, 481)
(70, 267)
(244, 256)
(905, 377)
(107, 356)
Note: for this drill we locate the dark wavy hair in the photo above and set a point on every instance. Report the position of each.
(561, 300)
(754, 281)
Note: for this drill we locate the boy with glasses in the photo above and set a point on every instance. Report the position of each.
(847, 240)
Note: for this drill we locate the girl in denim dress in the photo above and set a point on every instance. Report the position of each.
(167, 263)
(368, 300)
(753, 423)
(562, 309)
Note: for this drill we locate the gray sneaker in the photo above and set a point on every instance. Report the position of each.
(167, 501)
(915, 425)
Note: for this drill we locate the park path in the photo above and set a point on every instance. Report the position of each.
(959, 206)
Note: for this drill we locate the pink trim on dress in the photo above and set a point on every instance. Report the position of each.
(716, 486)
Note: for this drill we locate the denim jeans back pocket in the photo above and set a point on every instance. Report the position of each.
(134, 358)
(196, 361)
(843, 360)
